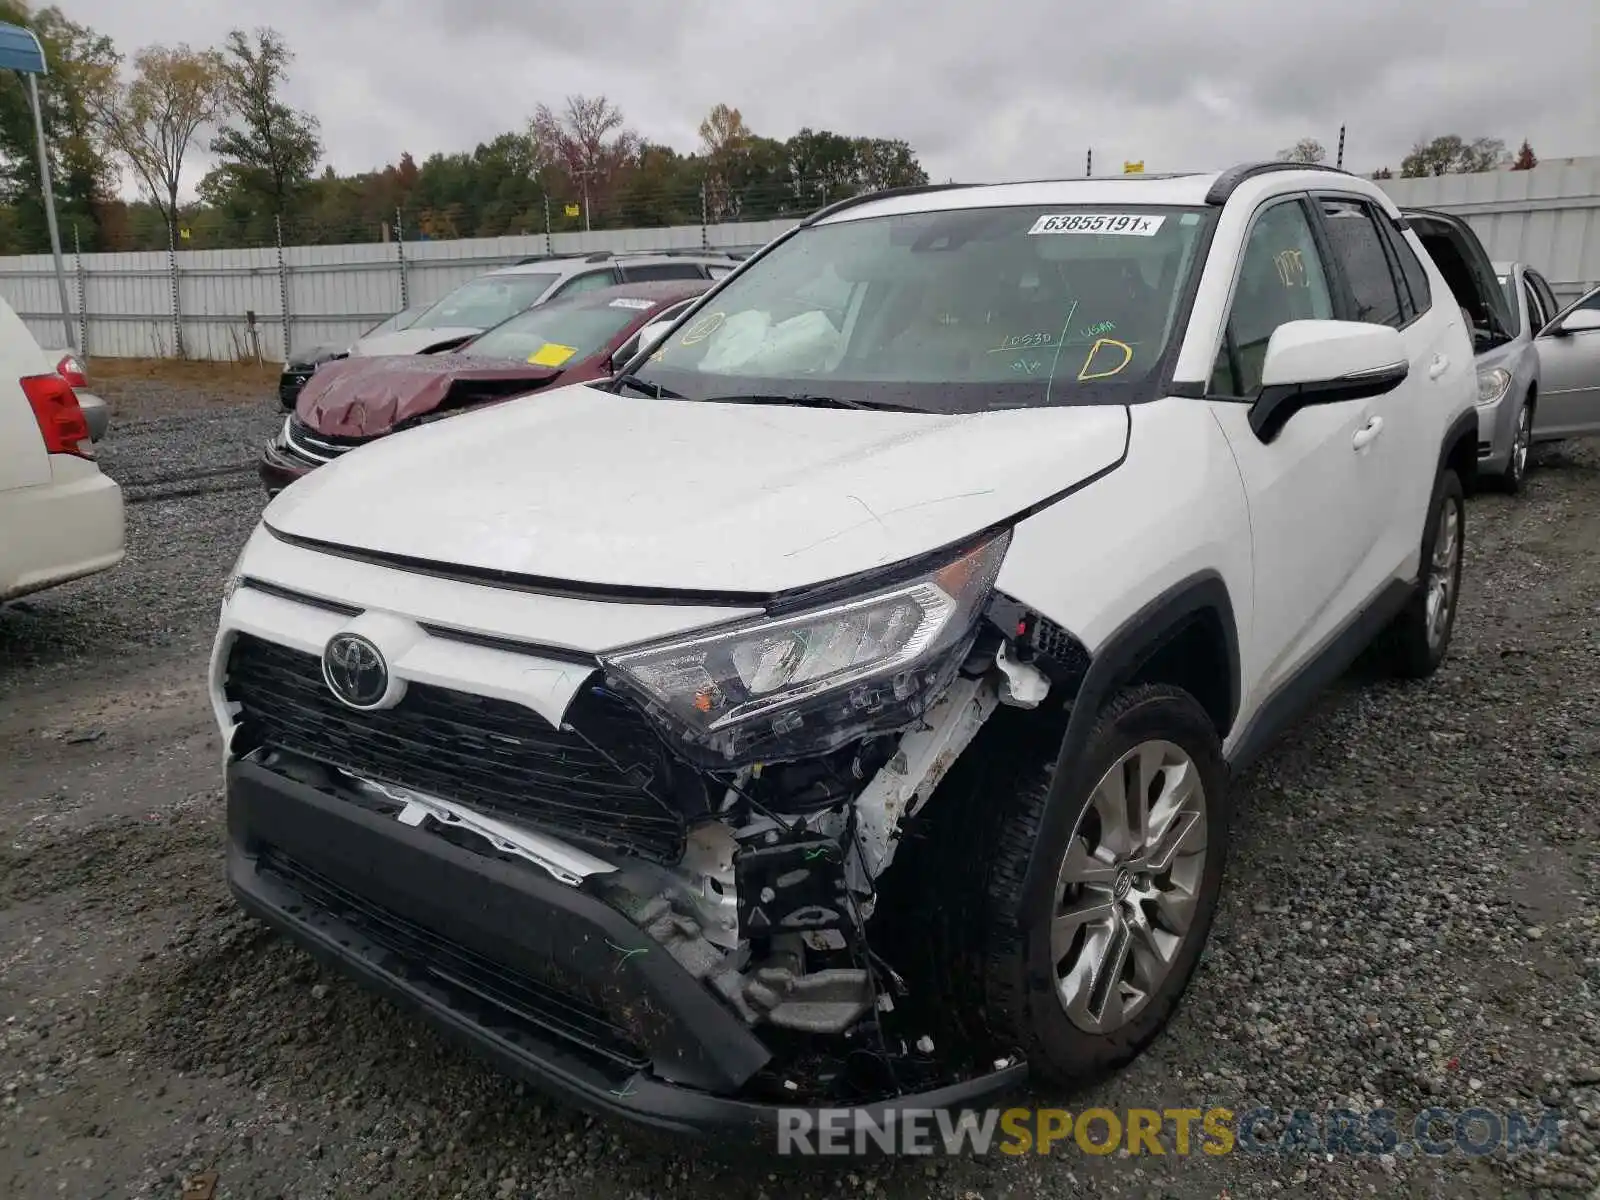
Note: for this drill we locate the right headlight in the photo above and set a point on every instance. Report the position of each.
(1492, 385)
(784, 687)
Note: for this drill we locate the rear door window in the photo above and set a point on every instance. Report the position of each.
(1412, 274)
(1359, 251)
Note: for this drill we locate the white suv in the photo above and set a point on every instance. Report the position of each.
(498, 295)
(60, 518)
(840, 707)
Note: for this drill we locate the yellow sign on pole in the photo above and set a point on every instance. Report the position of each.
(573, 210)
(1133, 168)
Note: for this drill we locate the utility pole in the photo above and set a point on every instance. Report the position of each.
(1088, 164)
(583, 174)
(1339, 161)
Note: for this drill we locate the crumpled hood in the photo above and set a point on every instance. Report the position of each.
(590, 487)
(410, 341)
(364, 397)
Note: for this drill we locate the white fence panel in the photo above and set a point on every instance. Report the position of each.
(1548, 217)
(312, 294)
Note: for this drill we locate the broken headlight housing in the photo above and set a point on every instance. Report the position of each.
(788, 686)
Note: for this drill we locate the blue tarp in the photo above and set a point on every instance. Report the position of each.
(20, 51)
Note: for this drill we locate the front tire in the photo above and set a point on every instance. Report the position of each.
(1515, 475)
(1420, 636)
(1082, 979)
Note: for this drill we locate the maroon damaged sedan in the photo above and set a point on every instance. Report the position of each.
(352, 401)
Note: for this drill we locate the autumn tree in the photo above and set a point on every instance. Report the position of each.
(157, 117)
(1306, 150)
(1452, 155)
(268, 150)
(725, 141)
(587, 140)
(1526, 160)
(82, 72)
(886, 163)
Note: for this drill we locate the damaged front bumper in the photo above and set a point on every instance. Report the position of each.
(552, 983)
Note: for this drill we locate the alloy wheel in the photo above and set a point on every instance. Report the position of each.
(1442, 572)
(1128, 889)
(1519, 445)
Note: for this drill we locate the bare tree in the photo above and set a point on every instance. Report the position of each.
(153, 121)
(587, 139)
(1306, 150)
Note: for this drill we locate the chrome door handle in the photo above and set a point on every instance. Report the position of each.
(1441, 364)
(1367, 434)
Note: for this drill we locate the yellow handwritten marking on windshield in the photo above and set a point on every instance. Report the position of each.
(702, 329)
(551, 355)
(1084, 373)
(1291, 268)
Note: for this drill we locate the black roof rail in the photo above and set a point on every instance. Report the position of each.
(1228, 182)
(884, 194)
(685, 252)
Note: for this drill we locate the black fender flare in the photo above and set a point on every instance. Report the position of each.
(1464, 426)
(1116, 662)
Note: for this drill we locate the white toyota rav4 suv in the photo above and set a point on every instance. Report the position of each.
(840, 707)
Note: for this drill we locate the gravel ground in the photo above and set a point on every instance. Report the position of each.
(1410, 916)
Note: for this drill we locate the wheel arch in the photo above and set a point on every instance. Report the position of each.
(1180, 637)
(1459, 450)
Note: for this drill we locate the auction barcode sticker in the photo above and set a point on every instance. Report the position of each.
(1126, 224)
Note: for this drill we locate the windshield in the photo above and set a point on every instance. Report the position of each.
(401, 320)
(484, 302)
(956, 311)
(556, 333)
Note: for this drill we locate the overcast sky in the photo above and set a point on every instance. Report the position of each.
(998, 91)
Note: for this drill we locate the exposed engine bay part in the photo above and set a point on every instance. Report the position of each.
(826, 1001)
(909, 778)
(771, 908)
(708, 868)
(1021, 685)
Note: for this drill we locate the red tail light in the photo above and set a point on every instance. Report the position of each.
(61, 422)
(70, 369)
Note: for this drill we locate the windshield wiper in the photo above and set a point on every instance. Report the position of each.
(806, 401)
(649, 389)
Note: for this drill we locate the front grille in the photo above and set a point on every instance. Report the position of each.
(319, 447)
(609, 784)
(494, 996)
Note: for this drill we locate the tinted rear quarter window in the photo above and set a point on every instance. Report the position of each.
(1358, 248)
(644, 272)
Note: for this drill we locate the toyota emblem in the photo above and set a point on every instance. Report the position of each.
(354, 670)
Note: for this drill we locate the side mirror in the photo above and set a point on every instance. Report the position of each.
(1579, 320)
(1325, 362)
